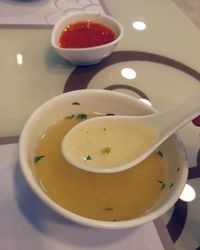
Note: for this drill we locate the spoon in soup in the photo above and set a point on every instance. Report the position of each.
(109, 144)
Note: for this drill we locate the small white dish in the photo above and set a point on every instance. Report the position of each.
(103, 101)
(90, 55)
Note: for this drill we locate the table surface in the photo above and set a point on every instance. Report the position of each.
(165, 57)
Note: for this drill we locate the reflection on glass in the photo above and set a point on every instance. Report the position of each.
(139, 25)
(19, 58)
(188, 193)
(128, 73)
(146, 101)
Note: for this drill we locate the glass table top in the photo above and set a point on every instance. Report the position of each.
(163, 58)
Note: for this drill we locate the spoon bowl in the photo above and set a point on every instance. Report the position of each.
(93, 145)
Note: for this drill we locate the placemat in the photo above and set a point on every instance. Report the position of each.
(43, 12)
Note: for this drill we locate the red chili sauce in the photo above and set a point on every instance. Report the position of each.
(85, 34)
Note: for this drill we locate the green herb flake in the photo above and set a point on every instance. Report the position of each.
(69, 117)
(171, 185)
(160, 153)
(163, 185)
(178, 169)
(104, 129)
(81, 116)
(87, 158)
(110, 114)
(108, 209)
(38, 158)
(106, 150)
(75, 103)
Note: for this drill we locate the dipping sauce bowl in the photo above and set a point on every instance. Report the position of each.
(86, 38)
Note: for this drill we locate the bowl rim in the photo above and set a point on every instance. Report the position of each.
(81, 219)
(54, 33)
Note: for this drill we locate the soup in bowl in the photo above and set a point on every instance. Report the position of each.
(118, 200)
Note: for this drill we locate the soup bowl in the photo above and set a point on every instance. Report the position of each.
(87, 55)
(103, 101)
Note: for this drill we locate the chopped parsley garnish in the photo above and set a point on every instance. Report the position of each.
(75, 103)
(81, 116)
(69, 117)
(110, 114)
(38, 158)
(104, 129)
(171, 185)
(163, 185)
(87, 158)
(160, 153)
(106, 150)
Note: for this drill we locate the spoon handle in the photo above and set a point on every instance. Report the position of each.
(171, 120)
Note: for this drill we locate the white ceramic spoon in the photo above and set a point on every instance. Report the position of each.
(160, 125)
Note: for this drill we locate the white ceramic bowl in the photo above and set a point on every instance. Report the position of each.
(102, 101)
(91, 55)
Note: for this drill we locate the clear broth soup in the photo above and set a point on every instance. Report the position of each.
(109, 197)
